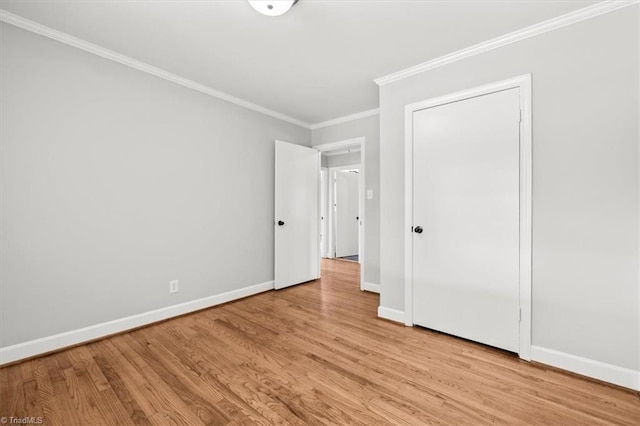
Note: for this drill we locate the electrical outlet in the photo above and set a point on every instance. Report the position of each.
(369, 194)
(173, 286)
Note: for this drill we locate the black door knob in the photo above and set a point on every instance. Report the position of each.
(280, 223)
(418, 229)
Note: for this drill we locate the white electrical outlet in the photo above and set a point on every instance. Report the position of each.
(369, 194)
(173, 286)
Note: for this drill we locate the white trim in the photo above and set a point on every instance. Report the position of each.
(58, 341)
(374, 288)
(352, 149)
(318, 215)
(346, 118)
(391, 314)
(587, 367)
(510, 38)
(522, 82)
(408, 217)
(638, 312)
(332, 146)
(526, 221)
(70, 40)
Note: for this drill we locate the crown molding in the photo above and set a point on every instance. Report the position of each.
(346, 118)
(70, 40)
(507, 39)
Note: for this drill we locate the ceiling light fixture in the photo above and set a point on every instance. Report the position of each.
(272, 7)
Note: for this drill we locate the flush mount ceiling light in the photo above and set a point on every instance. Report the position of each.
(272, 7)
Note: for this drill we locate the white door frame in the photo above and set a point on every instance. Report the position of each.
(348, 143)
(522, 82)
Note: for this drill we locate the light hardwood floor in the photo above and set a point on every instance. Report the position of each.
(310, 354)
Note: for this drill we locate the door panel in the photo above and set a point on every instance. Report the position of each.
(466, 198)
(347, 213)
(324, 189)
(297, 233)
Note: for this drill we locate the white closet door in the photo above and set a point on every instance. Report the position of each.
(466, 218)
(347, 213)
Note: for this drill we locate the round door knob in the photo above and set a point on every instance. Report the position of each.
(280, 223)
(418, 229)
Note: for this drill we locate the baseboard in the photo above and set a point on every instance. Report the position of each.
(391, 314)
(374, 288)
(587, 367)
(44, 345)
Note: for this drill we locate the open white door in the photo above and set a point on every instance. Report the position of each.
(297, 233)
(347, 213)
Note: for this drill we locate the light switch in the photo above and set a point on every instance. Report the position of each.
(369, 194)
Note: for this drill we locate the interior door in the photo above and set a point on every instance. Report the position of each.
(347, 213)
(466, 218)
(297, 232)
(324, 189)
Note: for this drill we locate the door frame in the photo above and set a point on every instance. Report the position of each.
(523, 83)
(343, 144)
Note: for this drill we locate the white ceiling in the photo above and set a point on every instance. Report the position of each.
(315, 63)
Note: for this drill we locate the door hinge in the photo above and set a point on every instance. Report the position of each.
(520, 116)
(520, 315)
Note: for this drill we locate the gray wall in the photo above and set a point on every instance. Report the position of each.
(369, 128)
(585, 179)
(346, 159)
(115, 182)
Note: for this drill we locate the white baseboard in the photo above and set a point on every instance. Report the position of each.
(391, 314)
(375, 288)
(587, 367)
(58, 341)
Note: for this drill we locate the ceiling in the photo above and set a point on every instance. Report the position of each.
(315, 63)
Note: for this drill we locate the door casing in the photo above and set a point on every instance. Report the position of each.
(522, 82)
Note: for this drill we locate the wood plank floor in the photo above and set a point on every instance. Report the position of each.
(311, 354)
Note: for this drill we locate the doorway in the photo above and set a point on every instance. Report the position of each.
(342, 201)
(343, 212)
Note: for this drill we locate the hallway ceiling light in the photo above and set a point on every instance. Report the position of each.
(272, 7)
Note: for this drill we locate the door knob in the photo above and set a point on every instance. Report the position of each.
(418, 229)
(280, 223)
